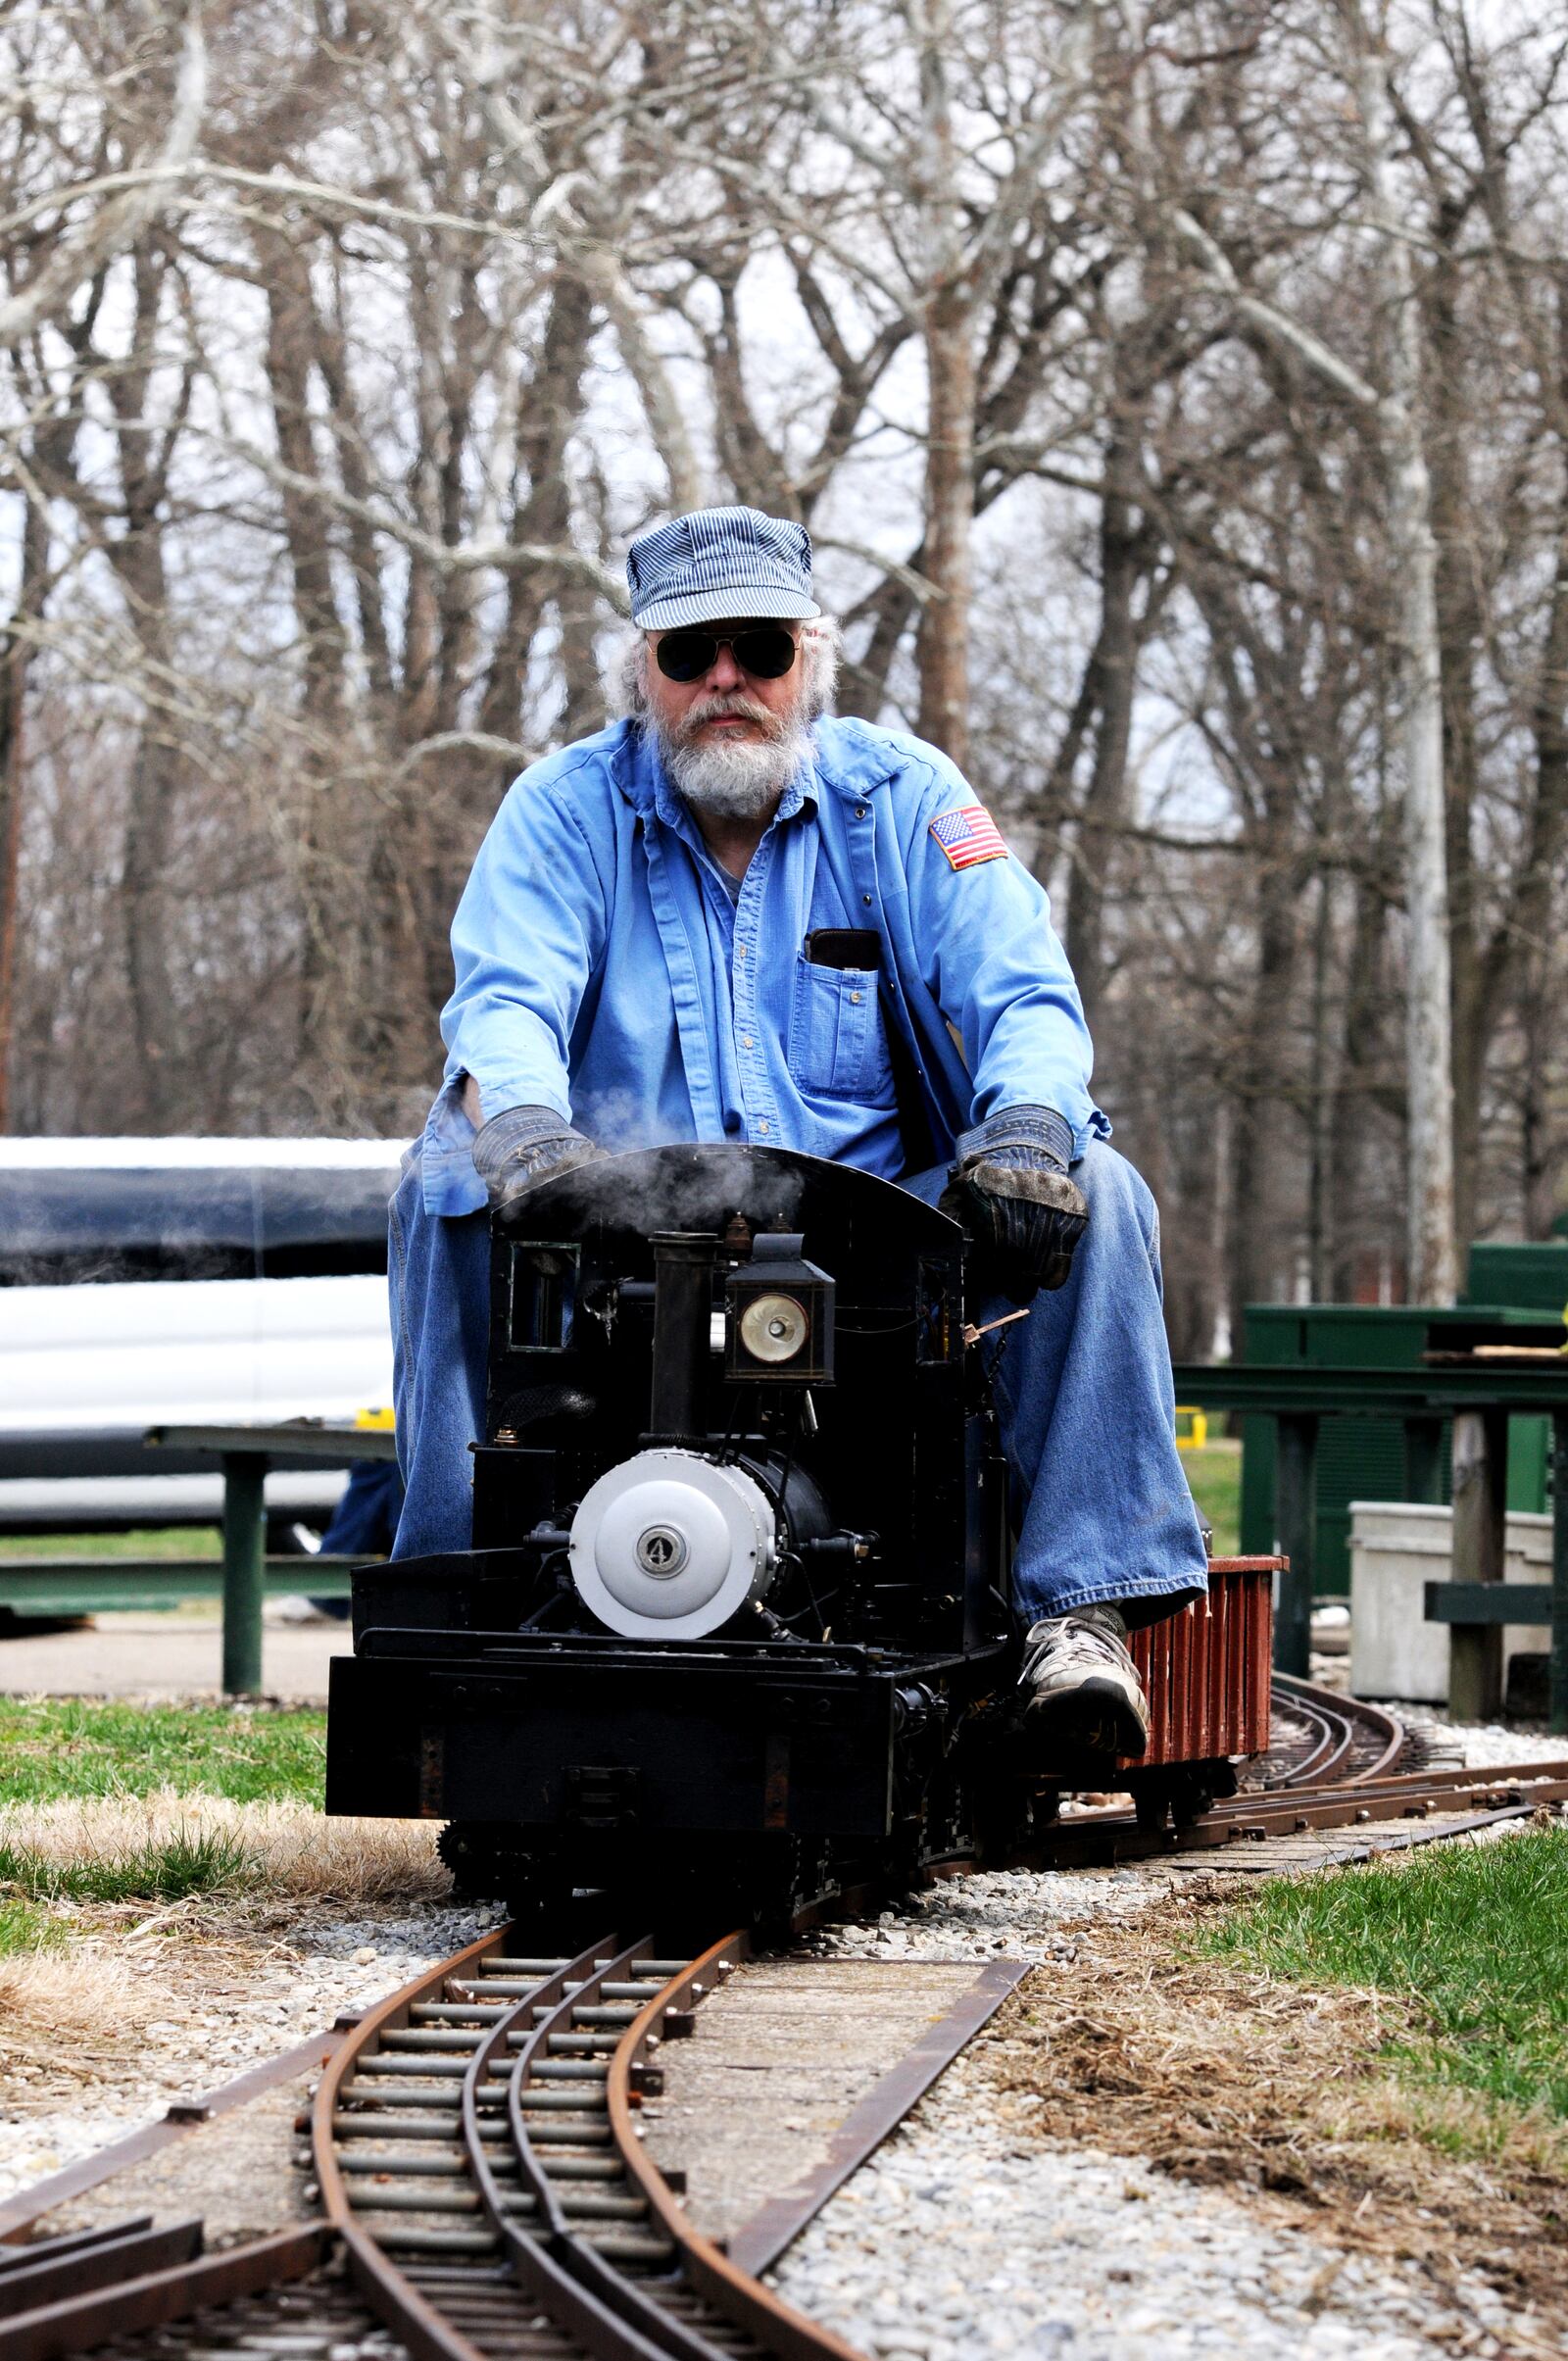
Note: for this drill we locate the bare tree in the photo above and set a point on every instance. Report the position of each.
(1102, 350)
(67, 233)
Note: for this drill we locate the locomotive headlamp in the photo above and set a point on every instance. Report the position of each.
(779, 1317)
(773, 1328)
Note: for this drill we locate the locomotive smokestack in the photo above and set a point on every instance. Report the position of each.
(683, 1298)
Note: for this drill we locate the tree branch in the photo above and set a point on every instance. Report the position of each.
(118, 223)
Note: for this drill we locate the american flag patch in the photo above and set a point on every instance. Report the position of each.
(968, 836)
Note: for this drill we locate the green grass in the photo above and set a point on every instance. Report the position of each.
(1476, 1940)
(163, 1540)
(55, 1747)
(191, 1861)
(1214, 1478)
(25, 1928)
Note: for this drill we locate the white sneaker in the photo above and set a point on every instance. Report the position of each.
(1085, 1693)
(293, 1608)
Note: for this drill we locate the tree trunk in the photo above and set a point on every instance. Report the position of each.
(1533, 937)
(155, 780)
(139, 560)
(290, 354)
(1352, 1107)
(1540, 1144)
(948, 325)
(149, 948)
(1428, 1040)
(863, 682)
(584, 708)
(16, 655)
(1109, 682)
(550, 415)
(943, 645)
(1474, 996)
(1254, 1274)
(1321, 1158)
(1431, 1249)
(330, 888)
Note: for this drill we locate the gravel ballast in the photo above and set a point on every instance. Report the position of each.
(297, 1983)
(956, 2240)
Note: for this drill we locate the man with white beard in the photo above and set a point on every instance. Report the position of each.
(733, 916)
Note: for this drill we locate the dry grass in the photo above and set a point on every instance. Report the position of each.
(279, 1851)
(93, 1998)
(76, 2011)
(1220, 2074)
(105, 1969)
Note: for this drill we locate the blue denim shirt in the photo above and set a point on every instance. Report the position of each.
(603, 971)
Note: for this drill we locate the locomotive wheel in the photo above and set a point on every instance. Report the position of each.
(1151, 1800)
(1180, 1795)
(486, 1858)
(760, 1885)
(1045, 1809)
(548, 1915)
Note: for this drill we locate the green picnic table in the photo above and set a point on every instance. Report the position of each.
(246, 1452)
(1480, 1398)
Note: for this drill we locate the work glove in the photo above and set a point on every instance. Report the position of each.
(1010, 1188)
(526, 1144)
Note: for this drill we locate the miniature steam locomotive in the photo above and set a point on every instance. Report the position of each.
(736, 1615)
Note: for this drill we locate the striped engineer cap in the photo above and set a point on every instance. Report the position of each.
(719, 564)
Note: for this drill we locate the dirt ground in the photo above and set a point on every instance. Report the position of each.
(1226, 2078)
(162, 1655)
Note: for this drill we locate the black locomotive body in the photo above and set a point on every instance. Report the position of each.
(737, 1606)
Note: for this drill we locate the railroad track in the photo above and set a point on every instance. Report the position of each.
(1336, 1768)
(485, 2190)
(477, 2149)
(1346, 1739)
(476, 2140)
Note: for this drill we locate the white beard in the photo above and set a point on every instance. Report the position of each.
(736, 779)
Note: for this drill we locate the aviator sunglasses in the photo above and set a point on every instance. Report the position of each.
(762, 650)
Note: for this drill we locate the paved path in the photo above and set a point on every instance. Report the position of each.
(154, 1655)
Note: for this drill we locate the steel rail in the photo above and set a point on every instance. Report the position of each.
(155, 2299)
(77, 2265)
(575, 2286)
(1329, 1748)
(1503, 1790)
(391, 2295)
(744, 2302)
(583, 2253)
(1481, 1776)
(430, 2066)
(647, 2326)
(467, 2288)
(1383, 1729)
(1409, 1795)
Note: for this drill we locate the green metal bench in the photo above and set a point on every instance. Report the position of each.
(1480, 1401)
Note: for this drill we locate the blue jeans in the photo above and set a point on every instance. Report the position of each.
(1082, 1387)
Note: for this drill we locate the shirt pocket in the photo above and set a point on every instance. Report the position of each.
(838, 1047)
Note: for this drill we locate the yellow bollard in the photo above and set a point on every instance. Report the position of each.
(1194, 1434)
